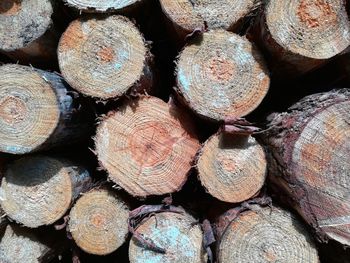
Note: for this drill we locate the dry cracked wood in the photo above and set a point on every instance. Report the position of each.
(103, 5)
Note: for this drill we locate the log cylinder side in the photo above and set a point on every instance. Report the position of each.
(266, 235)
(231, 167)
(104, 58)
(308, 151)
(102, 6)
(178, 234)
(39, 190)
(98, 222)
(222, 75)
(147, 147)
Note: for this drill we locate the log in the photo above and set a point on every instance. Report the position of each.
(39, 190)
(103, 6)
(177, 233)
(105, 58)
(27, 35)
(232, 167)
(267, 234)
(147, 147)
(98, 222)
(308, 150)
(221, 76)
(38, 111)
(301, 35)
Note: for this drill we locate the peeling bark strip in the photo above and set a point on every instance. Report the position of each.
(172, 230)
(147, 147)
(266, 235)
(39, 190)
(103, 6)
(23, 24)
(37, 103)
(98, 222)
(221, 76)
(309, 149)
(232, 167)
(105, 58)
(301, 34)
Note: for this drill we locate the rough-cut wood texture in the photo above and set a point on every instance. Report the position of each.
(267, 234)
(105, 58)
(309, 149)
(39, 190)
(232, 167)
(103, 6)
(38, 111)
(98, 222)
(20, 245)
(147, 146)
(221, 76)
(301, 34)
(26, 32)
(177, 233)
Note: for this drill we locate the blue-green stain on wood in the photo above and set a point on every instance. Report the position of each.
(16, 149)
(184, 82)
(123, 56)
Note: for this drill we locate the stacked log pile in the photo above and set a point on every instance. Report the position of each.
(155, 131)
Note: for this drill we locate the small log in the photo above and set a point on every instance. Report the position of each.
(232, 167)
(309, 149)
(103, 6)
(264, 235)
(147, 147)
(301, 35)
(105, 58)
(221, 76)
(98, 222)
(39, 190)
(177, 233)
(38, 111)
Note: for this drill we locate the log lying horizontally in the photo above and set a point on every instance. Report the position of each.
(232, 167)
(98, 222)
(104, 5)
(264, 235)
(37, 111)
(147, 147)
(309, 149)
(105, 58)
(39, 190)
(221, 76)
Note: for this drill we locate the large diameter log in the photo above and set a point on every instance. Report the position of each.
(265, 235)
(232, 167)
(309, 148)
(105, 58)
(103, 6)
(147, 147)
(37, 111)
(177, 233)
(221, 75)
(98, 222)
(39, 190)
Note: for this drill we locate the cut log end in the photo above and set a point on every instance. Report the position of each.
(178, 234)
(39, 190)
(232, 168)
(315, 29)
(147, 147)
(221, 76)
(99, 222)
(266, 235)
(103, 58)
(20, 25)
(101, 6)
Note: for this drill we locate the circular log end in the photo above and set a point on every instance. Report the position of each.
(98, 222)
(147, 147)
(20, 25)
(222, 75)
(102, 58)
(101, 5)
(178, 234)
(232, 168)
(266, 235)
(29, 110)
(318, 29)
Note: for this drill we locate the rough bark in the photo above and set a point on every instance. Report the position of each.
(39, 190)
(38, 111)
(308, 150)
